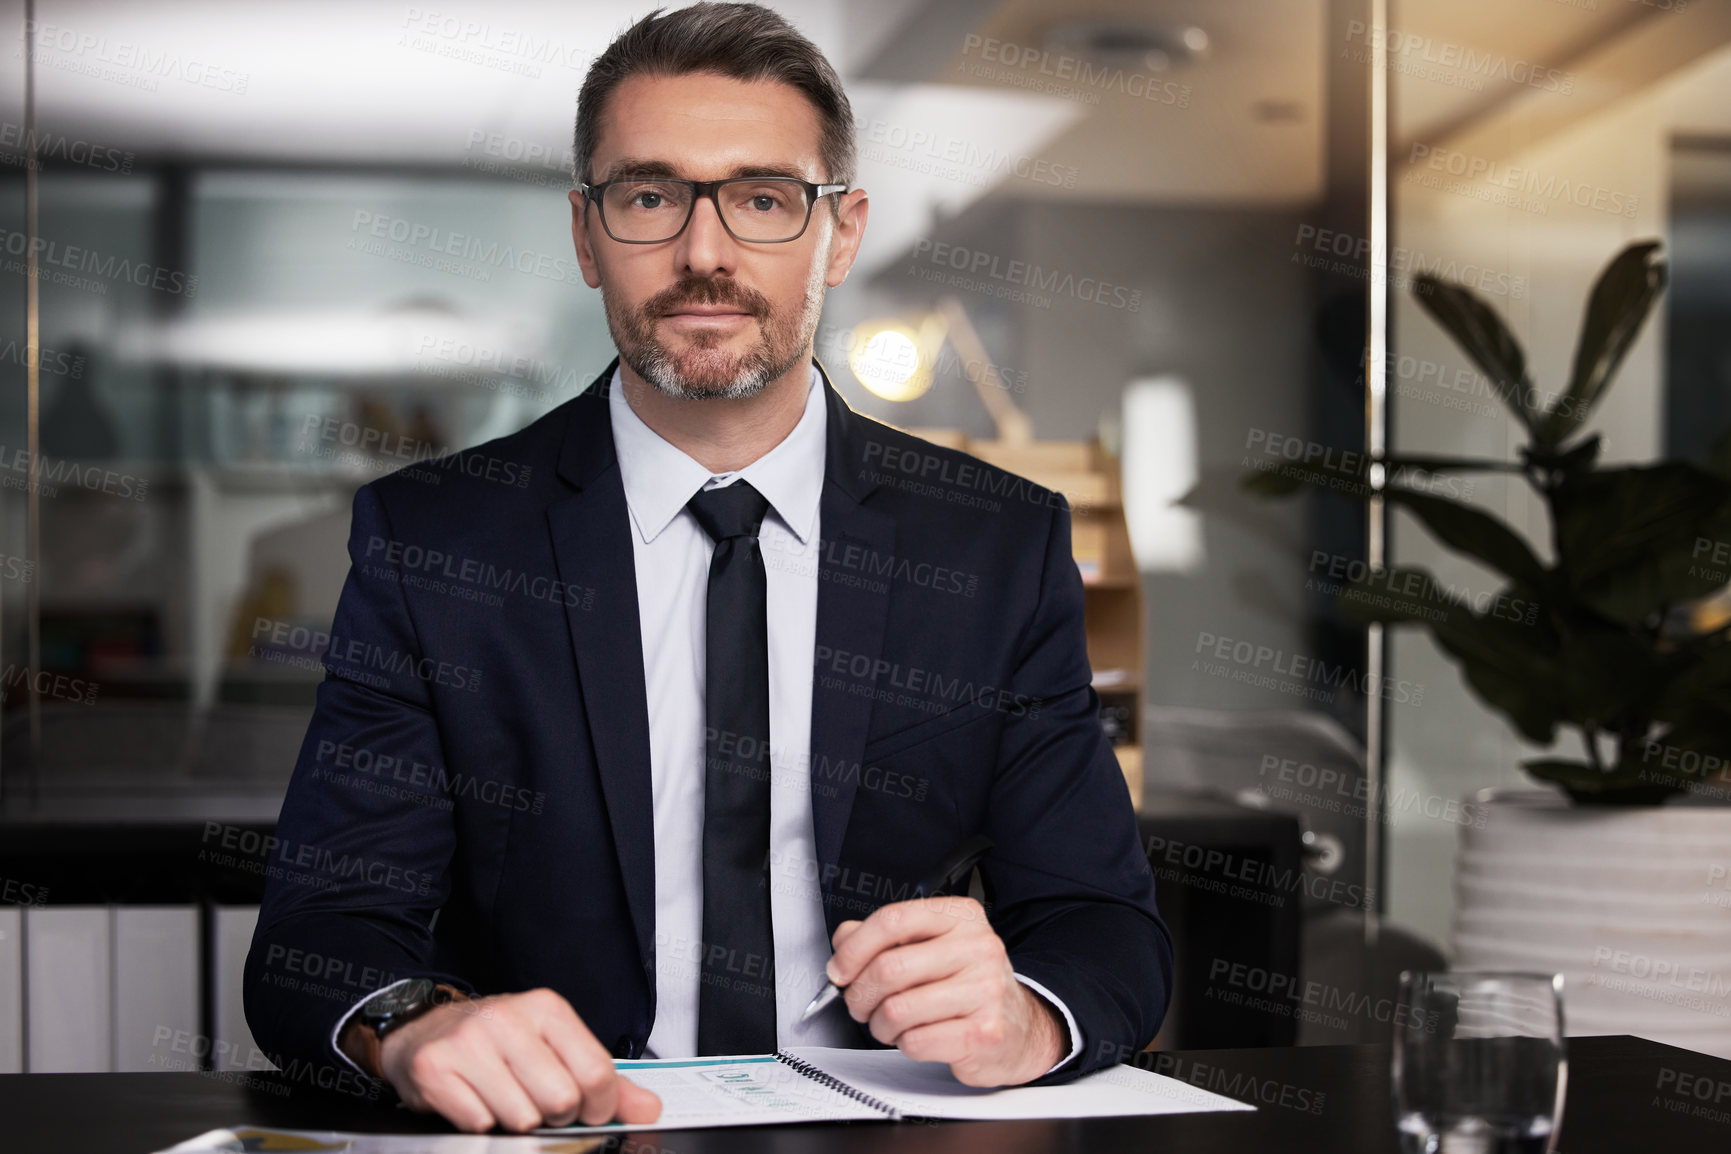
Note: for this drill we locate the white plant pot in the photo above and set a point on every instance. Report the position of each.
(1631, 904)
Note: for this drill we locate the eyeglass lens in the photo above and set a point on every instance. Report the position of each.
(762, 209)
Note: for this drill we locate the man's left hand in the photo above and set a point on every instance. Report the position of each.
(933, 979)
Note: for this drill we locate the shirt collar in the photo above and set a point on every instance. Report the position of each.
(660, 478)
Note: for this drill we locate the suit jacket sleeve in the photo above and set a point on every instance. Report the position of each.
(1069, 887)
(362, 858)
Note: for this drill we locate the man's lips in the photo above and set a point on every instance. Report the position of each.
(707, 319)
(706, 311)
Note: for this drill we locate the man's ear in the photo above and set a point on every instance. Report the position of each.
(845, 236)
(580, 238)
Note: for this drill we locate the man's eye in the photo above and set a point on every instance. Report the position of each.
(649, 197)
(761, 200)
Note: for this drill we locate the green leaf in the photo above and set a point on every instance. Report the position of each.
(1339, 471)
(1507, 659)
(1580, 458)
(1608, 675)
(1345, 471)
(1219, 493)
(1448, 464)
(1476, 533)
(1634, 540)
(1571, 775)
(1589, 786)
(1266, 483)
(1616, 310)
(1695, 701)
(1482, 335)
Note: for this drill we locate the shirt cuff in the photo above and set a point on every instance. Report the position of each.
(1069, 1018)
(344, 1021)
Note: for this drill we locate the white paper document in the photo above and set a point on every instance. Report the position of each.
(929, 1090)
(820, 1084)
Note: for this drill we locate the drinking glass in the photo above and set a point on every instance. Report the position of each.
(1479, 1062)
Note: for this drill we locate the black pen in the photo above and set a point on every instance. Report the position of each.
(958, 865)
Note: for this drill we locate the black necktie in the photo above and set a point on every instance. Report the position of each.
(736, 997)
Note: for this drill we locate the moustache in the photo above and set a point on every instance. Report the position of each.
(706, 291)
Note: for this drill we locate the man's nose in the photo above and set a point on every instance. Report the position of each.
(706, 247)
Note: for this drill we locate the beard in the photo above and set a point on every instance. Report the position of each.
(705, 369)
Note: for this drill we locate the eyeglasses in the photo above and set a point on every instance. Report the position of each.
(759, 209)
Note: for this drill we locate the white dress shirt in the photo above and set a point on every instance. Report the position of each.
(672, 555)
(672, 558)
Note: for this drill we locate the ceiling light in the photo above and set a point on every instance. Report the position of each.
(1157, 46)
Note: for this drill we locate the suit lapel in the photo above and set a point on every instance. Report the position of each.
(591, 533)
(850, 618)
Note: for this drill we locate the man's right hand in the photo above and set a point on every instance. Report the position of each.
(515, 1060)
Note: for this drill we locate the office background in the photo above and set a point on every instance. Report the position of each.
(287, 247)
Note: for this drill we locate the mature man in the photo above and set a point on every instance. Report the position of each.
(610, 758)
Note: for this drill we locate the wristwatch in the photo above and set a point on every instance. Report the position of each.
(363, 1038)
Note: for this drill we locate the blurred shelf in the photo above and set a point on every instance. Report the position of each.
(274, 477)
(1130, 761)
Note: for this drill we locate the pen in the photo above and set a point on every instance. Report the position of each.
(960, 862)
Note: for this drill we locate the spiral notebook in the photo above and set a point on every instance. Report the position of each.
(820, 1084)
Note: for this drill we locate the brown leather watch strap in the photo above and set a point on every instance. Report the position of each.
(363, 1045)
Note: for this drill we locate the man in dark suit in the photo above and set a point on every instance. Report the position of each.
(634, 716)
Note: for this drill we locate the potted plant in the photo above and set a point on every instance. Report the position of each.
(1616, 633)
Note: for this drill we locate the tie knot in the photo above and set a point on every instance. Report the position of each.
(734, 510)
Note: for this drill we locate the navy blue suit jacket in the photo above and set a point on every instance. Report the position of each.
(472, 800)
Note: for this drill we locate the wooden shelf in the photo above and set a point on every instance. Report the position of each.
(1101, 543)
(1078, 469)
(1130, 762)
(1116, 680)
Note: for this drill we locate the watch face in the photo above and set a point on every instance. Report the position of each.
(408, 996)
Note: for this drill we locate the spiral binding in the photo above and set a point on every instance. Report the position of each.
(818, 1075)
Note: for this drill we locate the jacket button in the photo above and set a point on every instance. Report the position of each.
(622, 1048)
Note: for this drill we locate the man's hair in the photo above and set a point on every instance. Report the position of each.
(743, 41)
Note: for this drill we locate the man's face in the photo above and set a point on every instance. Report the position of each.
(705, 315)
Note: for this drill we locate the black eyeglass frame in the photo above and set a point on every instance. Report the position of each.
(594, 194)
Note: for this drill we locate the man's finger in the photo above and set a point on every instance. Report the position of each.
(904, 968)
(543, 1075)
(456, 1101)
(945, 1041)
(589, 1065)
(636, 1104)
(896, 924)
(953, 998)
(504, 1097)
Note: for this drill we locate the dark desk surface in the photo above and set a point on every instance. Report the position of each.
(1625, 1094)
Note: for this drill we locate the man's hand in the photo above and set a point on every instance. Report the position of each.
(932, 978)
(515, 1060)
